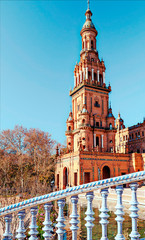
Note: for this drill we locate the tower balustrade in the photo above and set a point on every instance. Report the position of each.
(32, 204)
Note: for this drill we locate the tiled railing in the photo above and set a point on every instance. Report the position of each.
(73, 192)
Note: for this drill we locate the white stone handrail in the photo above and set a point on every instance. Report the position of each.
(73, 192)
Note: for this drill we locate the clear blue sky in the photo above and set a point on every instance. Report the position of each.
(40, 44)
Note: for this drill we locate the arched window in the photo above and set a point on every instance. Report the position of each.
(96, 104)
(97, 141)
(101, 79)
(110, 126)
(92, 44)
(69, 128)
(97, 124)
(89, 75)
(83, 121)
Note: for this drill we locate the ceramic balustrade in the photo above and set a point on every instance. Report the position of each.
(73, 192)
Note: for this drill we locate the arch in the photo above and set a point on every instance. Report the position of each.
(69, 128)
(106, 172)
(65, 177)
(110, 126)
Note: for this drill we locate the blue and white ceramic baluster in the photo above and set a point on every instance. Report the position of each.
(134, 209)
(47, 223)
(104, 210)
(60, 225)
(89, 219)
(119, 212)
(21, 230)
(8, 235)
(33, 227)
(74, 221)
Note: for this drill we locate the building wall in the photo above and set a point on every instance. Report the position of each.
(131, 139)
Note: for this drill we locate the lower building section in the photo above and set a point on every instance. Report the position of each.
(82, 167)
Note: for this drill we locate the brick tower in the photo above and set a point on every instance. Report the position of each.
(90, 125)
(91, 153)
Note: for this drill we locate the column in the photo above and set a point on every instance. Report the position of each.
(33, 227)
(92, 74)
(21, 230)
(80, 76)
(103, 77)
(89, 219)
(104, 213)
(60, 225)
(8, 235)
(134, 209)
(74, 221)
(86, 73)
(98, 76)
(47, 223)
(102, 143)
(119, 212)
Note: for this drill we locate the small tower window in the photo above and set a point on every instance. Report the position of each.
(91, 44)
(97, 124)
(97, 104)
(110, 126)
(97, 141)
(83, 121)
(101, 79)
(69, 128)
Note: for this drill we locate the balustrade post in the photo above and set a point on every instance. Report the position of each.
(134, 209)
(60, 225)
(119, 212)
(74, 221)
(104, 210)
(21, 230)
(47, 223)
(89, 219)
(8, 235)
(33, 227)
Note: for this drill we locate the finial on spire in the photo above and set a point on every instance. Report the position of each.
(88, 4)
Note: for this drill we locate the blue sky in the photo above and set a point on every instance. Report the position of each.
(40, 44)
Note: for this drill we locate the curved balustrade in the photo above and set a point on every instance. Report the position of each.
(73, 192)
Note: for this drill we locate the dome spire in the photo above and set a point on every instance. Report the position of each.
(88, 4)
